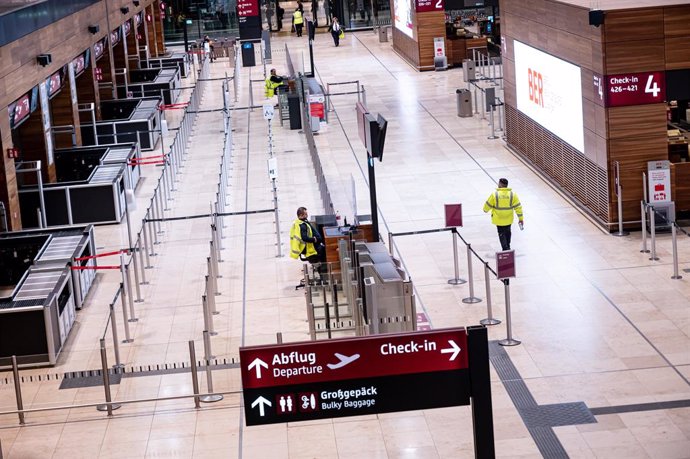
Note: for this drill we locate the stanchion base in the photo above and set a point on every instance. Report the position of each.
(653, 258)
(471, 300)
(127, 341)
(509, 342)
(215, 313)
(492, 137)
(213, 333)
(621, 233)
(210, 398)
(488, 321)
(644, 251)
(217, 294)
(676, 277)
(133, 320)
(114, 406)
(144, 283)
(457, 281)
(138, 301)
(118, 367)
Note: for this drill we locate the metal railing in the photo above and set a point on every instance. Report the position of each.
(456, 280)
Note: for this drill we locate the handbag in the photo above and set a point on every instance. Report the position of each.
(341, 35)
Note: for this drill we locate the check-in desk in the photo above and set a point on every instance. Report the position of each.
(332, 235)
(72, 162)
(126, 121)
(459, 47)
(96, 198)
(177, 60)
(39, 292)
(163, 82)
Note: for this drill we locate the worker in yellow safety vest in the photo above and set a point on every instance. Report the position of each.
(305, 239)
(298, 21)
(272, 83)
(502, 203)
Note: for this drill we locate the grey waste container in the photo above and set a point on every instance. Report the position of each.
(383, 34)
(464, 100)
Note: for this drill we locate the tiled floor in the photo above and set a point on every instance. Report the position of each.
(599, 322)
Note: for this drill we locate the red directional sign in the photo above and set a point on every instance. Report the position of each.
(635, 89)
(352, 358)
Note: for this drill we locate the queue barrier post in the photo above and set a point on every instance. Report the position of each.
(652, 230)
(125, 315)
(490, 320)
(643, 215)
(108, 406)
(509, 341)
(18, 390)
(470, 299)
(195, 376)
(456, 267)
(116, 342)
(674, 242)
(210, 397)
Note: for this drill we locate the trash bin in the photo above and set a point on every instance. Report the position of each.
(383, 34)
(464, 102)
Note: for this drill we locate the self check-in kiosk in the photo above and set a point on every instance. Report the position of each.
(126, 120)
(169, 60)
(39, 292)
(69, 162)
(163, 82)
(94, 195)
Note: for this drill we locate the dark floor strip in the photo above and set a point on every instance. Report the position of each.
(652, 406)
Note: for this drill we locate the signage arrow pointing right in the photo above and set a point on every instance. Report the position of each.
(454, 349)
(258, 363)
(261, 402)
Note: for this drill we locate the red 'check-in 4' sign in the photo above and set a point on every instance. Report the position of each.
(342, 359)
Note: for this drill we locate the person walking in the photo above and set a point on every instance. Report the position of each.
(336, 30)
(502, 203)
(298, 19)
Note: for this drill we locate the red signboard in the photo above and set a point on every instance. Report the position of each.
(98, 48)
(453, 215)
(98, 73)
(635, 89)
(422, 6)
(247, 8)
(78, 64)
(128, 27)
(505, 264)
(19, 110)
(316, 109)
(353, 358)
(114, 37)
(54, 83)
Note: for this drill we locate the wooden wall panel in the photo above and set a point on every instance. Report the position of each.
(8, 179)
(406, 47)
(637, 120)
(429, 25)
(678, 52)
(642, 24)
(63, 114)
(635, 56)
(677, 21)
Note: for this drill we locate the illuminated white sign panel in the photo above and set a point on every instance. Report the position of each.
(549, 91)
(403, 16)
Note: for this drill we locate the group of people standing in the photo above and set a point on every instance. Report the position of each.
(336, 30)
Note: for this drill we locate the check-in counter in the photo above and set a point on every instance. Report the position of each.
(126, 121)
(164, 82)
(36, 318)
(71, 163)
(177, 60)
(97, 198)
(460, 47)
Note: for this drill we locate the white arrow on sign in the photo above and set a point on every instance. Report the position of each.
(258, 363)
(261, 402)
(454, 349)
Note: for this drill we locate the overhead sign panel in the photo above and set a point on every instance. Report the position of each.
(348, 377)
(635, 89)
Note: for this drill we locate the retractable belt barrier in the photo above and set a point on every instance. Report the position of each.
(177, 106)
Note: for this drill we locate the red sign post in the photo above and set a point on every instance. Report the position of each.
(369, 375)
(505, 264)
(453, 215)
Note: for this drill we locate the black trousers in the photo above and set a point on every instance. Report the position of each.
(336, 37)
(298, 29)
(504, 235)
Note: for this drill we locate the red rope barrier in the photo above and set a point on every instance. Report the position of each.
(173, 106)
(144, 163)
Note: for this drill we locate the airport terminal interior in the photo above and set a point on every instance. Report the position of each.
(150, 304)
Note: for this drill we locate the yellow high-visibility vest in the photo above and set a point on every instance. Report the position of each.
(297, 245)
(502, 203)
(297, 17)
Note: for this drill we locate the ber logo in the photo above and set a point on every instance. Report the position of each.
(536, 87)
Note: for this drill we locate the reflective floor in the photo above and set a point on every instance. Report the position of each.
(604, 365)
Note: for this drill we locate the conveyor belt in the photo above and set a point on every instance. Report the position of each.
(60, 248)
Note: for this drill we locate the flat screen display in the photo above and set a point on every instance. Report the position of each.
(54, 83)
(19, 110)
(549, 91)
(403, 17)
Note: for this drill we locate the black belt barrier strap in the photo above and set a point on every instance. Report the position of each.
(218, 214)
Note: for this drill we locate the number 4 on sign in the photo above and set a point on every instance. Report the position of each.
(653, 88)
(268, 111)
